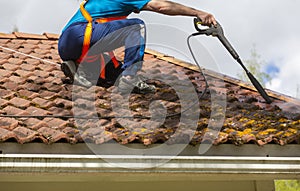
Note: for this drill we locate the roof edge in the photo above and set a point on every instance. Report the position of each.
(22, 35)
(7, 36)
(251, 150)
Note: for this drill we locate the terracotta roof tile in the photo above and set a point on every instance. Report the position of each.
(25, 135)
(27, 67)
(4, 56)
(47, 94)
(3, 103)
(4, 36)
(41, 51)
(51, 36)
(6, 94)
(31, 61)
(42, 103)
(14, 81)
(41, 73)
(8, 123)
(60, 111)
(53, 135)
(10, 67)
(29, 36)
(31, 41)
(23, 73)
(56, 123)
(5, 73)
(34, 124)
(28, 47)
(26, 94)
(17, 42)
(63, 103)
(10, 110)
(36, 111)
(20, 103)
(6, 135)
(30, 86)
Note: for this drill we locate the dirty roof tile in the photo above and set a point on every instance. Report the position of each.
(56, 122)
(8, 123)
(42, 103)
(6, 135)
(53, 135)
(25, 135)
(34, 123)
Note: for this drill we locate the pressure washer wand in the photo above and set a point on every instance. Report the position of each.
(217, 31)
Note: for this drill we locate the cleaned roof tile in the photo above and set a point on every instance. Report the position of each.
(4, 36)
(20, 103)
(10, 67)
(15, 80)
(28, 36)
(11, 110)
(5, 73)
(36, 111)
(51, 36)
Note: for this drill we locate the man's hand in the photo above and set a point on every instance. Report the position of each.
(171, 8)
(207, 18)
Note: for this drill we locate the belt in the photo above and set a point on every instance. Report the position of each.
(108, 19)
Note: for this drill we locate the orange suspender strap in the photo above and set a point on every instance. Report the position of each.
(88, 35)
(113, 59)
(102, 63)
(88, 31)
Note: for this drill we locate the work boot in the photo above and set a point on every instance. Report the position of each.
(136, 84)
(69, 69)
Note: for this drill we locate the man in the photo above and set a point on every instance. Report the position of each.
(104, 22)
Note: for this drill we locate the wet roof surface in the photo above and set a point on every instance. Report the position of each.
(230, 112)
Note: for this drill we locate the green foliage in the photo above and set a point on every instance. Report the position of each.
(287, 185)
(15, 29)
(254, 65)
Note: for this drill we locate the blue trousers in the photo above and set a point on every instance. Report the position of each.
(107, 37)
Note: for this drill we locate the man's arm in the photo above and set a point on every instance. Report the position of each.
(172, 8)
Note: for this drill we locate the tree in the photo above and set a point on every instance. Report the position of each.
(254, 64)
(298, 91)
(15, 28)
(287, 185)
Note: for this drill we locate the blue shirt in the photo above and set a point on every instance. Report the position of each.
(108, 8)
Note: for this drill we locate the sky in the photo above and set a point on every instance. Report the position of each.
(271, 26)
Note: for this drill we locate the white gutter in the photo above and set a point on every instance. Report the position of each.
(15, 163)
